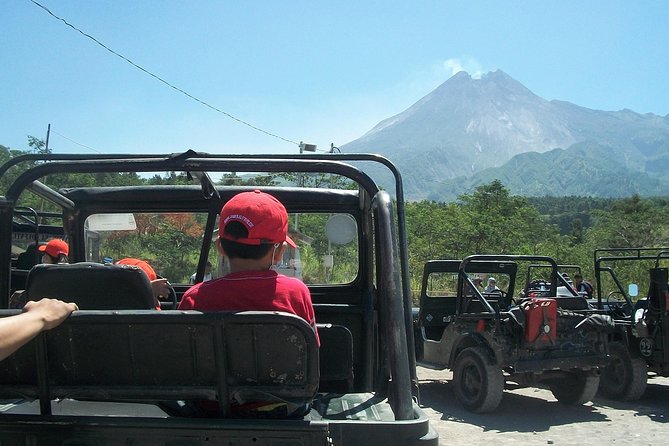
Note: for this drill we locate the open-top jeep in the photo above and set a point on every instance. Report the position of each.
(489, 336)
(120, 372)
(640, 343)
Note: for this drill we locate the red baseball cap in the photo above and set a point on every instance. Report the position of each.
(141, 264)
(261, 214)
(55, 247)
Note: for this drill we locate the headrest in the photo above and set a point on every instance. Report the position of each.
(91, 286)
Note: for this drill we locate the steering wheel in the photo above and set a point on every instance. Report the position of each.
(171, 303)
(618, 306)
(504, 301)
(538, 284)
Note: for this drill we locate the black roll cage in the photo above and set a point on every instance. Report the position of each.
(403, 373)
(463, 277)
(603, 255)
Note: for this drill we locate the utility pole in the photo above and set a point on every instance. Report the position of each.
(48, 133)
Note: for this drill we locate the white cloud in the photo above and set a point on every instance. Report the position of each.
(453, 65)
(467, 63)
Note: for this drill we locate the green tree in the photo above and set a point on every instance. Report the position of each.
(577, 233)
(37, 145)
(232, 179)
(496, 222)
(488, 221)
(630, 223)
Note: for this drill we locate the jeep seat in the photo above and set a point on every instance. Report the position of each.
(92, 286)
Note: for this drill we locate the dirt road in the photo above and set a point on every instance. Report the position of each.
(531, 416)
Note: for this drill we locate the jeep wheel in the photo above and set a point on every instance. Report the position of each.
(625, 378)
(479, 384)
(577, 388)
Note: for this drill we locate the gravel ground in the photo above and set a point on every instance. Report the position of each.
(532, 416)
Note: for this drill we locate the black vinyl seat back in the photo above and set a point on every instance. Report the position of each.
(572, 303)
(336, 358)
(92, 286)
(658, 289)
(155, 356)
(18, 279)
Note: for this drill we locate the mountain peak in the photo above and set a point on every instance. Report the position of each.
(467, 125)
(496, 75)
(491, 76)
(493, 83)
(473, 114)
(460, 75)
(502, 80)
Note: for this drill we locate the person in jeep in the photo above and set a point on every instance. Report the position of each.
(55, 251)
(582, 286)
(159, 285)
(253, 233)
(492, 285)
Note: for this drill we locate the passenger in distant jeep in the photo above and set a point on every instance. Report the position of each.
(253, 233)
(492, 286)
(582, 286)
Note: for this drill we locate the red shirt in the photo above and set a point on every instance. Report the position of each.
(252, 291)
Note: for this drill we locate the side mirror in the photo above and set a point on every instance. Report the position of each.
(341, 229)
(633, 290)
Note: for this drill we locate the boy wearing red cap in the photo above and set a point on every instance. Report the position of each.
(56, 251)
(53, 252)
(253, 232)
(160, 286)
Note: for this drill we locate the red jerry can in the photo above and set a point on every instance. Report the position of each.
(540, 320)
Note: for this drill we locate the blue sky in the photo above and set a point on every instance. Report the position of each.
(319, 72)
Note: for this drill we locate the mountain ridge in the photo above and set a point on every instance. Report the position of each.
(467, 125)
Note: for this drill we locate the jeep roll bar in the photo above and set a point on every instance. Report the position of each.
(162, 163)
(511, 258)
(397, 287)
(603, 255)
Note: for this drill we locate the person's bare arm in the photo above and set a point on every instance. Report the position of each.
(161, 288)
(16, 331)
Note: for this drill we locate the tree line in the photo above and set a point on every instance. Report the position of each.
(489, 220)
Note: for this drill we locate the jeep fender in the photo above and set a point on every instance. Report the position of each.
(470, 339)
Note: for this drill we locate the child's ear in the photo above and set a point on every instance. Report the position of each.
(278, 253)
(219, 247)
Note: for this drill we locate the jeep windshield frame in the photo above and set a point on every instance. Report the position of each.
(469, 263)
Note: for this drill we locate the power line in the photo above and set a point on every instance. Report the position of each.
(73, 141)
(206, 104)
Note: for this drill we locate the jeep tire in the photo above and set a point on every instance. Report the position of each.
(625, 377)
(479, 383)
(577, 388)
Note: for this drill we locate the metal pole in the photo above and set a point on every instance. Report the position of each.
(48, 133)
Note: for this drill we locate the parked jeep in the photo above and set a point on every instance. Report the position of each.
(489, 336)
(640, 344)
(118, 371)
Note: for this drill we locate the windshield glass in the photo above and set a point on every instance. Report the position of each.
(171, 243)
